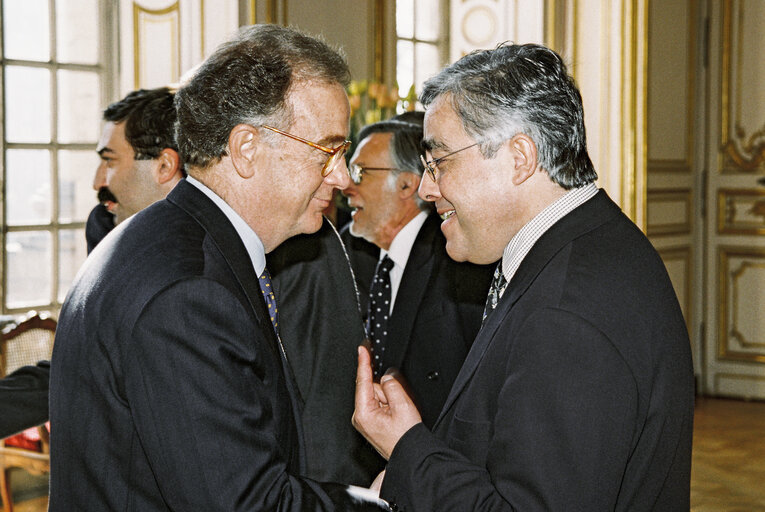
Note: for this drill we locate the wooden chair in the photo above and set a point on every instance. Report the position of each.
(22, 344)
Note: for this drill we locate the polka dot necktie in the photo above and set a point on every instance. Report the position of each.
(378, 313)
(268, 294)
(498, 285)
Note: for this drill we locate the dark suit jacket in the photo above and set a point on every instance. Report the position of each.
(577, 394)
(320, 325)
(24, 398)
(168, 385)
(436, 314)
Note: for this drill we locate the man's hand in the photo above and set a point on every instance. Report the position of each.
(384, 412)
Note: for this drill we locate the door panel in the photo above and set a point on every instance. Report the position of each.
(735, 228)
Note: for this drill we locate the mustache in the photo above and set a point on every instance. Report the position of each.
(104, 195)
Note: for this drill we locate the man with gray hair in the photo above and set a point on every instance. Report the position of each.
(422, 308)
(170, 388)
(577, 393)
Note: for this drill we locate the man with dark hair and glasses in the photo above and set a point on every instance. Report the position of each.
(170, 386)
(424, 323)
(577, 393)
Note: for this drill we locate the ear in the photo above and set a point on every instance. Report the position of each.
(243, 149)
(169, 166)
(407, 184)
(523, 152)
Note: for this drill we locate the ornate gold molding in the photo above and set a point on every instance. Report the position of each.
(728, 202)
(175, 63)
(740, 153)
(729, 279)
(379, 40)
(677, 195)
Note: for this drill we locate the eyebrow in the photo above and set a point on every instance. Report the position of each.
(105, 149)
(431, 144)
(332, 141)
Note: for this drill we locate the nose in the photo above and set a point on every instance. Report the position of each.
(339, 177)
(99, 180)
(428, 189)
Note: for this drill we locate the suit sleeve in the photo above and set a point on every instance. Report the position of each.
(24, 398)
(559, 441)
(198, 375)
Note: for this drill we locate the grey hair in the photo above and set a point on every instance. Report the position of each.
(516, 89)
(405, 146)
(247, 80)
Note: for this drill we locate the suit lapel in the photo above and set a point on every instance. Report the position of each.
(219, 229)
(593, 213)
(411, 292)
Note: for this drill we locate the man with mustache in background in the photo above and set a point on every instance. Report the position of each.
(139, 159)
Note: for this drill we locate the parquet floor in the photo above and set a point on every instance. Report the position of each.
(728, 473)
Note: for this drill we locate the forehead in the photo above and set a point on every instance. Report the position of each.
(442, 125)
(320, 111)
(113, 137)
(373, 148)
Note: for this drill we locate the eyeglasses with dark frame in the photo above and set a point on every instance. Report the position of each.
(357, 171)
(335, 154)
(432, 165)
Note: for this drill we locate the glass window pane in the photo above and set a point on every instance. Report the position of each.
(26, 30)
(79, 113)
(27, 105)
(426, 57)
(405, 18)
(76, 196)
(28, 186)
(72, 251)
(77, 31)
(29, 279)
(427, 19)
(404, 66)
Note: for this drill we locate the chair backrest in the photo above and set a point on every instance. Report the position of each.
(26, 343)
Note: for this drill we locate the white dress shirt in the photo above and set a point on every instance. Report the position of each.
(250, 239)
(399, 251)
(524, 240)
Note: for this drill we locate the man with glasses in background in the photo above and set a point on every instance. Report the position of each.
(170, 387)
(577, 393)
(422, 309)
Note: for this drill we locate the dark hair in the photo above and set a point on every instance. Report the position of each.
(246, 80)
(149, 117)
(520, 89)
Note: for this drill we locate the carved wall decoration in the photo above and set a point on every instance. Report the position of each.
(741, 212)
(742, 294)
(743, 98)
(156, 39)
(669, 212)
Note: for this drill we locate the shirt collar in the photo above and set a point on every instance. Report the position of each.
(403, 242)
(524, 240)
(249, 238)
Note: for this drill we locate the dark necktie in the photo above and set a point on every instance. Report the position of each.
(498, 285)
(268, 294)
(378, 313)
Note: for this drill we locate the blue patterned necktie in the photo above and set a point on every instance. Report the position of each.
(498, 285)
(268, 294)
(378, 312)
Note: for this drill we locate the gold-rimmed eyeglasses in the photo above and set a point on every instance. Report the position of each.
(432, 165)
(357, 171)
(335, 154)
